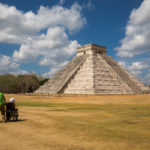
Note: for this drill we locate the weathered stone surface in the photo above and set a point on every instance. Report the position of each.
(53, 84)
(92, 72)
(82, 83)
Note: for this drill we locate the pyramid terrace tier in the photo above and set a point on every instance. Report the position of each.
(92, 72)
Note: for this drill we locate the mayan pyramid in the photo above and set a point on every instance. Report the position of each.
(93, 72)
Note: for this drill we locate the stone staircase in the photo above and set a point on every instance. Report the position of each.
(123, 75)
(58, 81)
(82, 83)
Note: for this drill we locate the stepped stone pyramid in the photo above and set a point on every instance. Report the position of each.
(93, 72)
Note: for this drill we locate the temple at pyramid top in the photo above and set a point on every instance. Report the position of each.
(91, 48)
(93, 72)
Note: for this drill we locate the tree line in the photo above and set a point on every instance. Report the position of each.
(20, 84)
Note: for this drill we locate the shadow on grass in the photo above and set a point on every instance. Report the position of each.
(19, 120)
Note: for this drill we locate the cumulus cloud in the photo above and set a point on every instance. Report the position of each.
(89, 5)
(136, 68)
(48, 49)
(61, 2)
(8, 65)
(137, 35)
(54, 69)
(42, 36)
(16, 26)
(122, 63)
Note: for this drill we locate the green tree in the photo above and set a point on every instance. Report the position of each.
(19, 84)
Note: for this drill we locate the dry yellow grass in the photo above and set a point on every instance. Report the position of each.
(79, 123)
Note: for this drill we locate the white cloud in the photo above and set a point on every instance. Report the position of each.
(122, 63)
(16, 26)
(54, 69)
(136, 68)
(89, 5)
(8, 65)
(42, 36)
(61, 2)
(48, 49)
(137, 36)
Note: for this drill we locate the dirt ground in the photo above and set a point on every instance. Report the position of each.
(78, 123)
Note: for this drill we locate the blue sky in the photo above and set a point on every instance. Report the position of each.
(41, 36)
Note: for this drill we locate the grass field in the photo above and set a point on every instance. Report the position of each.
(79, 123)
